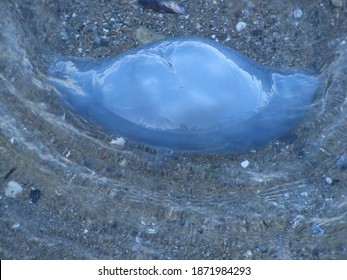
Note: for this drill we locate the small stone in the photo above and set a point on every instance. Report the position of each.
(248, 254)
(35, 195)
(16, 225)
(118, 141)
(337, 3)
(297, 13)
(13, 189)
(328, 180)
(240, 26)
(245, 163)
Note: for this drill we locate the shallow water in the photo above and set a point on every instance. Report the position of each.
(187, 94)
(102, 199)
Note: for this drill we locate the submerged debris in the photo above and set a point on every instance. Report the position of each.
(10, 172)
(162, 6)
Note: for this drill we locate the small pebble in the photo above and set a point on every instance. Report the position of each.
(35, 195)
(297, 13)
(118, 141)
(13, 189)
(245, 163)
(16, 225)
(328, 180)
(240, 26)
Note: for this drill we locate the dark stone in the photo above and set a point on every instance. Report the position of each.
(35, 195)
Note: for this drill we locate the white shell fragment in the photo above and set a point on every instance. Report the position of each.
(118, 141)
(240, 26)
(13, 189)
(245, 163)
